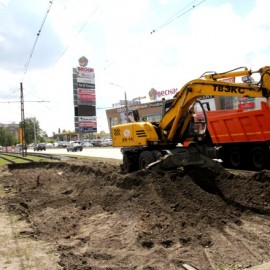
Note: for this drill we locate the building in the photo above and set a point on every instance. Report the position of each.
(152, 111)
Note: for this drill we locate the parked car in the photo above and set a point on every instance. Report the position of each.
(74, 147)
(40, 147)
(31, 145)
(62, 144)
(96, 142)
(87, 144)
(19, 148)
(49, 145)
(106, 142)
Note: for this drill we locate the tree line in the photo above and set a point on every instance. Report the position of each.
(33, 133)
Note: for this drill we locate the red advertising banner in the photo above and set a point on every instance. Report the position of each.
(82, 91)
(247, 105)
(86, 96)
(87, 124)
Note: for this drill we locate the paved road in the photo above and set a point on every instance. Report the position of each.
(106, 152)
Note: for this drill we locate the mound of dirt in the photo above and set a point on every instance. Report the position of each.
(101, 218)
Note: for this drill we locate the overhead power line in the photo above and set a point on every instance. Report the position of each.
(81, 29)
(179, 14)
(36, 101)
(37, 37)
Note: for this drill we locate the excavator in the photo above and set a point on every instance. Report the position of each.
(160, 146)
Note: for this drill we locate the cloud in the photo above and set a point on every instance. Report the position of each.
(115, 37)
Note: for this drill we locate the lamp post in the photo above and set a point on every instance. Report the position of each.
(125, 95)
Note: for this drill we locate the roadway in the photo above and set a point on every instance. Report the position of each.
(106, 152)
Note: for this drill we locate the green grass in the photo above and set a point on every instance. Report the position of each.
(18, 160)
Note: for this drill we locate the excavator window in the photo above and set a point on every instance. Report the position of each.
(198, 125)
(133, 116)
(166, 105)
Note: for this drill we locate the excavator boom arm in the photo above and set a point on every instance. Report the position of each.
(208, 85)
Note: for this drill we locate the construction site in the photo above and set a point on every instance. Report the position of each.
(89, 214)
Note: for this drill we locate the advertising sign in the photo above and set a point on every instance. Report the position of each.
(85, 72)
(90, 80)
(155, 94)
(87, 118)
(86, 126)
(86, 110)
(247, 105)
(244, 99)
(87, 130)
(84, 97)
(85, 85)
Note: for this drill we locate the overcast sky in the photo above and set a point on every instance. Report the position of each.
(132, 45)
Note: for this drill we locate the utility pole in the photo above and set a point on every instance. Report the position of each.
(126, 104)
(35, 131)
(125, 96)
(24, 147)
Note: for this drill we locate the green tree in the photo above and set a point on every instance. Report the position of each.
(33, 133)
(6, 137)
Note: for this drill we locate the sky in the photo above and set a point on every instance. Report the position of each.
(133, 46)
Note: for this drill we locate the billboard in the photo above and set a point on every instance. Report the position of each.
(84, 92)
(86, 96)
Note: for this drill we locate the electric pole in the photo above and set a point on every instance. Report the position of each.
(24, 147)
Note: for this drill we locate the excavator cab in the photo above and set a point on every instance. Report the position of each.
(198, 125)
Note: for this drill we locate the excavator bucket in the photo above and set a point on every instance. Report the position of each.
(187, 158)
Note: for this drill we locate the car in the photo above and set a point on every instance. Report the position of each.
(31, 145)
(87, 144)
(19, 148)
(106, 142)
(74, 147)
(49, 145)
(96, 142)
(62, 144)
(40, 147)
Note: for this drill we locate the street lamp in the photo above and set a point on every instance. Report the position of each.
(125, 95)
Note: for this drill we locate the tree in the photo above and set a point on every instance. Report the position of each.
(6, 137)
(33, 132)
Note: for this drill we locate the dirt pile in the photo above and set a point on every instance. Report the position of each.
(101, 218)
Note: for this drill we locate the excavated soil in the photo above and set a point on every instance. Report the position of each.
(101, 218)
